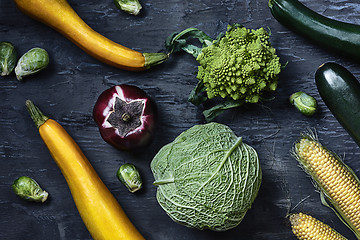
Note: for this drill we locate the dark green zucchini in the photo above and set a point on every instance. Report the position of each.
(340, 36)
(340, 91)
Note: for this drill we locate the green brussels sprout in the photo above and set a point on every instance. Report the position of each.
(305, 103)
(31, 62)
(130, 177)
(130, 6)
(7, 58)
(28, 189)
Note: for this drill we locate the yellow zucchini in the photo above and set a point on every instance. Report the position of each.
(101, 213)
(59, 15)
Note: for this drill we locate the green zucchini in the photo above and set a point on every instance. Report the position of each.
(339, 36)
(340, 91)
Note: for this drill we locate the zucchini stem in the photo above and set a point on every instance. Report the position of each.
(35, 113)
(152, 59)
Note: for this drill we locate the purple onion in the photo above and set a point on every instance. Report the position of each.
(125, 116)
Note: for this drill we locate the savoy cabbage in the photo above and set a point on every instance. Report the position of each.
(207, 178)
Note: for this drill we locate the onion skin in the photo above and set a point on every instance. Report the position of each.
(138, 137)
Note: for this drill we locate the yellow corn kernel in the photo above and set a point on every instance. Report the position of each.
(333, 178)
(306, 227)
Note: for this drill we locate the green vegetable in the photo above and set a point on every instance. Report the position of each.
(130, 177)
(207, 178)
(28, 189)
(31, 62)
(239, 66)
(129, 6)
(7, 58)
(340, 91)
(340, 36)
(305, 103)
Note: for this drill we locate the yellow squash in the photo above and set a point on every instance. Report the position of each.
(59, 15)
(101, 213)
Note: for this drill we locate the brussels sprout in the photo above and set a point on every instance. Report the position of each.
(130, 177)
(129, 6)
(28, 189)
(31, 62)
(7, 58)
(305, 103)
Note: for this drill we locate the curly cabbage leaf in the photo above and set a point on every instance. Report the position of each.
(207, 178)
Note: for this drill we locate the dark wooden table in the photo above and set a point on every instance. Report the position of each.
(69, 87)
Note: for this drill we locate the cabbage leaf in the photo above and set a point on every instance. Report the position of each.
(207, 178)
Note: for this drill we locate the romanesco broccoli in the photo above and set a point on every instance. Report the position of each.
(241, 65)
(238, 66)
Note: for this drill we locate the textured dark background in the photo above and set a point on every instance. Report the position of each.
(69, 87)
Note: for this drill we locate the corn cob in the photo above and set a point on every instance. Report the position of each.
(306, 227)
(335, 180)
